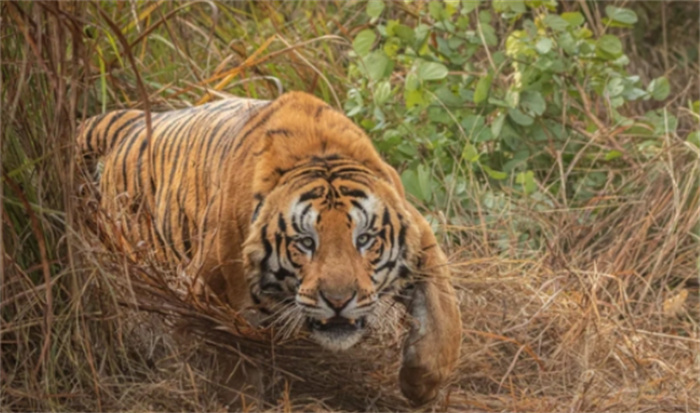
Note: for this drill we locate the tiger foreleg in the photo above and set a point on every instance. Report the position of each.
(431, 349)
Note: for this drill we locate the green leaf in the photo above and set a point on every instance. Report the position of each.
(377, 64)
(470, 153)
(519, 158)
(483, 86)
(556, 22)
(519, 117)
(621, 15)
(489, 34)
(363, 42)
(392, 46)
(451, 7)
(412, 82)
(527, 180)
(431, 70)
(615, 87)
(497, 125)
(409, 178)
(436, 10)
(498, 175)
(515, 6)
(485, 17)
(613, 154)
(425, 181)
(418, 182)
(375, 8)
(659, 88)
(512, 98)
(416, 98)
(575, 18)
(382, 92)
(694, 138)
(469, 5)
(533, 102)
(499, 57)
(610, 44)
(405, 33)
(544, 45)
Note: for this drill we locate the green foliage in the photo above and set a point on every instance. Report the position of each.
(510, 93)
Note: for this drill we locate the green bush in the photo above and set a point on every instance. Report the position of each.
(510, 94)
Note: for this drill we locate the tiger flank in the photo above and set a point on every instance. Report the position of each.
(283, 203)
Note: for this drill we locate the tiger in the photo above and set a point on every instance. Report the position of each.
(282, 202)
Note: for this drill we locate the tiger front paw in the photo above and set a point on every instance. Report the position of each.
(419, 384)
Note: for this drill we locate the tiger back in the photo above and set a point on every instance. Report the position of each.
(160, 190)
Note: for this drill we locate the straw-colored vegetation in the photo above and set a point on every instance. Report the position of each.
(553, 146)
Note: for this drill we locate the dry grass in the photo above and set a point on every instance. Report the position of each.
(603, 317)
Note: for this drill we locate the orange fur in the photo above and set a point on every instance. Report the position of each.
(215, 187)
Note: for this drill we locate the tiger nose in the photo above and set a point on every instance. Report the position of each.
(337, 301)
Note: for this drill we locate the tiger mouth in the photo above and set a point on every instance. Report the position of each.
(337, 324)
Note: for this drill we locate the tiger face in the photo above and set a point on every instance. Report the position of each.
(324, 246)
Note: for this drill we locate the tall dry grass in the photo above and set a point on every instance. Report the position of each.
(602, 317)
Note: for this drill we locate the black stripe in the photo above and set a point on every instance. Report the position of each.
(314, 193)
(284, 132)
(127, 145)
(345, 170)
(402, 236)
(361, 208)
(320, 110)
(388, 265)
(267, 246)
(125, 125)
(168, 138)
(159, 236)
(113, 119)
(303, 215)
(200, 169)
(288, 240)
(186, 237)
(139, 166)
(372, 221)
(281, 224)
(267, 286)
(184, 182)
(258, 124)
(357, 193)
(167, 233)
(362, 179)
(256, 211)
(212, 136)
(283, 273)
(386, 218)
(380, 255)
(91, 125)
(295, 225)
(278, 248)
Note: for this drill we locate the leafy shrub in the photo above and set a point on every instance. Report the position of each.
(510, 94)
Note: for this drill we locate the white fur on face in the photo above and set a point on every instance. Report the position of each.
(362, 216)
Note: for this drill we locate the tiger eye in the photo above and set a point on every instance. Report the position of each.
(362, 240)
(307, 242)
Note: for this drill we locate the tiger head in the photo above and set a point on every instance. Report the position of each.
(325, 245)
